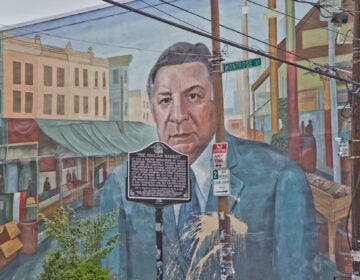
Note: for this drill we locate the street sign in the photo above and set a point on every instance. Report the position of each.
(219, 151)
(242, 64)
(221, 182)
(158, 175)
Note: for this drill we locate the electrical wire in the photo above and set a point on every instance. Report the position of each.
(238, 32)
(325, 6)
(28, 32)
(59, 49)
(229, 42)
(181, 20)
(165, 2)
(126, 47)
(298, 19)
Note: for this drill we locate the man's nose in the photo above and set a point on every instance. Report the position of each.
(180, 110)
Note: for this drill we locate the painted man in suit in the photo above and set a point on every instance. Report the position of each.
(269, 191)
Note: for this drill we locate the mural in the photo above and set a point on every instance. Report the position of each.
(79, 92)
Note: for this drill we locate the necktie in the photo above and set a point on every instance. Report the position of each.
(188, 217)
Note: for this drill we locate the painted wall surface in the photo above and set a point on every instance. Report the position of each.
(74, 103)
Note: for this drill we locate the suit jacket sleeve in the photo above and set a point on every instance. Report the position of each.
(295, 234)
(112, 198)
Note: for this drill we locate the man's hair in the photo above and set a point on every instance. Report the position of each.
(179, 53)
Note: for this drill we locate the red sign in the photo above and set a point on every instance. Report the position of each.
(219, 151)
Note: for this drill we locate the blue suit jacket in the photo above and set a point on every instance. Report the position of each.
(269, 192)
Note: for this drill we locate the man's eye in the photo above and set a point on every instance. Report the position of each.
(194, 96)
(165, 100)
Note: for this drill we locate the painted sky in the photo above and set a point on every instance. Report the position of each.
(114, 31)
(19, 11)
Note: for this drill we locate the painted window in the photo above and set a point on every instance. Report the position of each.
(76, 104)
(104, 80)
(96, 79)
(76, 73)
(16, 101)
(60, 77)
(60, 108)
(104, 106)
(96, 106)
(47, 76)
(85, 77)
(29, 102)
(47, 104)
(115, 76)
(86, 105)
(17, 72)
(29, 74)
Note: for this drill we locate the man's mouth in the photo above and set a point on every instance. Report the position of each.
(180, 138)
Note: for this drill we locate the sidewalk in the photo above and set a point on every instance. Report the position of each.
(29, 267)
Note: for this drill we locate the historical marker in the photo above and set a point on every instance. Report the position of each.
(158, 174)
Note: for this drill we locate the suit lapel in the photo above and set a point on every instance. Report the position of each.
(237, 185)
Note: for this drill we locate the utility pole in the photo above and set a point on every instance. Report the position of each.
(122, 115)
(355, 136)
(273, 69)
(291, 73)
(223, 201)
(245, 72)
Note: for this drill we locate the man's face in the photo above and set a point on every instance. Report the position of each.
(183, 109)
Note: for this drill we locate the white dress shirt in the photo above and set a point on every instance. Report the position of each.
(201, 167)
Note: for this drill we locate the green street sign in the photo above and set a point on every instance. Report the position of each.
(242, 64)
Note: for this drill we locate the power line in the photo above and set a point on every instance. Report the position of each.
(126, 47)
(325, 6)
(221, 25)
(183, 21)
(28, 32)
(300, 20)
(236, 31)
(231, 43)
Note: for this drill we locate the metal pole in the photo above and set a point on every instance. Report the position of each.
(159, 245)
(93, 172)
(122, 115)
(333, 101)
(355, 135)
(327, 122)
(223, 201)
(61, 182)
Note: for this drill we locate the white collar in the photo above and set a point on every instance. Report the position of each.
(202, 167)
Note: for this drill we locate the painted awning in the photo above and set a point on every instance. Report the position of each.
(98, 138)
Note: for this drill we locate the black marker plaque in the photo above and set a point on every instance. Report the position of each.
(158, 175)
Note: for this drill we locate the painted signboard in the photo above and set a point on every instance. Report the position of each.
(158, 175)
